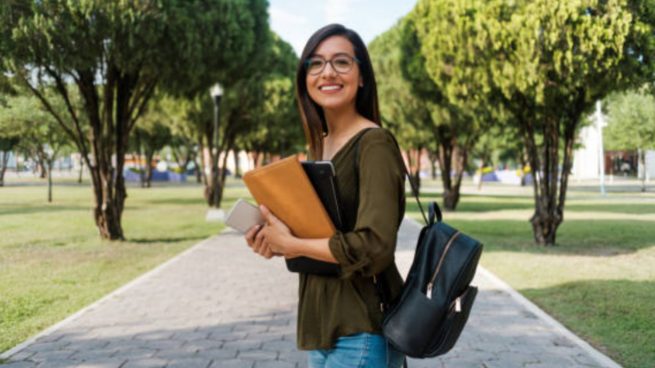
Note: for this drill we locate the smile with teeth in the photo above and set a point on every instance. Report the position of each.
(331, 87)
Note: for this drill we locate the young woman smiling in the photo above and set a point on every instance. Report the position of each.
(339, 318)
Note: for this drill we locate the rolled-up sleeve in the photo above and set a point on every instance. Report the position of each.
(369, 248)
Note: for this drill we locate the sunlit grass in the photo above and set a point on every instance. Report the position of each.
(52, 262)
(599, 280)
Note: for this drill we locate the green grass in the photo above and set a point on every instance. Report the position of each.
(599, 280)
(52, 262)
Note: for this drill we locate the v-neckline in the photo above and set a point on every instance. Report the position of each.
(350, 140)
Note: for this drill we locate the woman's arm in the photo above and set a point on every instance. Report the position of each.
(276, 237)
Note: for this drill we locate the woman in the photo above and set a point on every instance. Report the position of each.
(339, 318)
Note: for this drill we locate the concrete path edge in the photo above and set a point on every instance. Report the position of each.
(601, 358)
(112, 294)
(500, 284)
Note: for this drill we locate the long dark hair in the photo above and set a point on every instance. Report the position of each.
(366, 101)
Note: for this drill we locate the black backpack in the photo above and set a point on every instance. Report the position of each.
(436, 300)
(430, 313)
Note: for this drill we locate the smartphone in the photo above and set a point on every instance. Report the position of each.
(243, 216)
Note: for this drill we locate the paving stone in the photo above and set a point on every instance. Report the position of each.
(274, 364)
(257, 355)
(23, 355)
(189, 363)
(54, 355)
(142, 363)
(103, 363)
(242, 345)
(23, 364)
(220, 305)
(218, 354)
(232, 363)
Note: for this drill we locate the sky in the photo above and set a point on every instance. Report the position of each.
(296, 20)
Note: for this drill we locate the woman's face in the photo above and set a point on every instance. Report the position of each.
(330, 88)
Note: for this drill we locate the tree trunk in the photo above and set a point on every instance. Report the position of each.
(79, 178)
(524, 163)
(481, 173)
(49, 163)
(642, 162)
(41, 167)
(433, 165)
(450, 192)
(257, 158)
(547, 216)
(148, 167)
(203, 162)
(198, 169)
(212, 185)
(4, 159)
(237, 164)
(139, 154)
(417, 172)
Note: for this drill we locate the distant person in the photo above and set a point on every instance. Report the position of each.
(339, 318)
(625, 168)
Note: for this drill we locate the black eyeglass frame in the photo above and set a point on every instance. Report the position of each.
(308, 61)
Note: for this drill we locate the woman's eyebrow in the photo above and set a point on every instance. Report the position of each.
(336, 54)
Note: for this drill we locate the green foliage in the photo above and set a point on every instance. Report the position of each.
(262, 110)
(400, 108)
(631, 121)
(545, 61)
(153, 129)
(116, 53)
(184, 44)
(36, 129)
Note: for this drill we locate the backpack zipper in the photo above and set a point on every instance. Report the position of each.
(428, 291)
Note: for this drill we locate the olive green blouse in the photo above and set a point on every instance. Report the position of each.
(331, 307)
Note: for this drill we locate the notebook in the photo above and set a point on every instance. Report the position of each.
(285, 189)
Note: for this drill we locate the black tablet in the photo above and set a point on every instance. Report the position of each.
(323, 178)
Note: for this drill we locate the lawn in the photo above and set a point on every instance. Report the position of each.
(52, 262)
(599, 280)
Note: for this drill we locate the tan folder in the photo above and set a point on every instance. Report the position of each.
(284, 188)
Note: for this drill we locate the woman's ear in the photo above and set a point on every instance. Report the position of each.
(361, 81)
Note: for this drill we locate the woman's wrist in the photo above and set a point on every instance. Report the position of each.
(294, 247)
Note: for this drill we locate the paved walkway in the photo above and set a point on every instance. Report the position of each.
(220, 305)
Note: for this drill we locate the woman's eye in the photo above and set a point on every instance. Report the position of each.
(316, 63)
(343, 62)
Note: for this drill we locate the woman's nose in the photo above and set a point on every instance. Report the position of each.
(328, 70)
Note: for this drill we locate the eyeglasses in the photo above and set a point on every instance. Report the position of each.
(341, 64)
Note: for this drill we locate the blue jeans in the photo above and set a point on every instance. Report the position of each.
(362, 350)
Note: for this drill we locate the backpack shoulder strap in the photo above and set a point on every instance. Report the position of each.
(409, 177)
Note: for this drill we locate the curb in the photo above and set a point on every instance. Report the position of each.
(601, 358)
(7, 354)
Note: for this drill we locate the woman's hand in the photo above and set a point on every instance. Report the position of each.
(257, 242)
(277, 234)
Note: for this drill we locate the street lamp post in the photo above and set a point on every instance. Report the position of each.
(215, 214)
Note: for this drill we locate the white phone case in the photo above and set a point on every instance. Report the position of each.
(243, 216)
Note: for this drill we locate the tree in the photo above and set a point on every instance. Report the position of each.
(151, 136)
(631, 124)
(401, 110)
(546, 62)
(456, 124)
(7, 145)
(115, 54)
(275, 125)
(35, 130)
